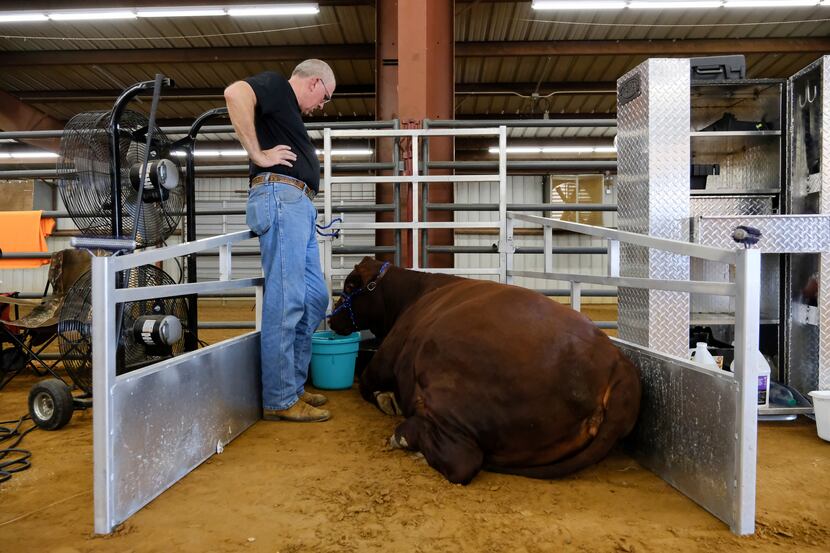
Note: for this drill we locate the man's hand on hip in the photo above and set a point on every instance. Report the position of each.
(278, 155)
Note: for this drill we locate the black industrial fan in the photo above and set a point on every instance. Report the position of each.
(84, 171)
(151, 330)
(122, 187)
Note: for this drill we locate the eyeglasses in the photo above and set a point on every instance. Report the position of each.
(327, 97)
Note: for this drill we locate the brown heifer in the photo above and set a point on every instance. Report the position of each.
(488, 375)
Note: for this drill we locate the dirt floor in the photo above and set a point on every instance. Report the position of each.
(335, 486)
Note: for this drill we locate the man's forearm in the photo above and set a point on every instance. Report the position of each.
(241, 102)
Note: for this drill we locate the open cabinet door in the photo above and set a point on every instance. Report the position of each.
(806, 301)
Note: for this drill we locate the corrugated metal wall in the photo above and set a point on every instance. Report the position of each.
(528, 190)
(231, 193)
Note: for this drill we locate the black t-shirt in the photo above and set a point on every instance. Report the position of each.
(278, 120)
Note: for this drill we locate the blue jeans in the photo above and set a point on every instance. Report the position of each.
(295, 295)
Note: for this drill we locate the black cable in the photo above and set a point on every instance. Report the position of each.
(119, 308)
(9, 466)
(201, 342)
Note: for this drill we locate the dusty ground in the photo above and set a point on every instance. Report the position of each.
(336, 487)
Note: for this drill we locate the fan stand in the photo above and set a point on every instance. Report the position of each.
(115, 157)
(51, 402)
(188, 144)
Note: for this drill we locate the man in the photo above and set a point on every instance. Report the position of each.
(266, 111)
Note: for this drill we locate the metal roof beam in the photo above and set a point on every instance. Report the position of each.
(529, 88)
(694, 47)
(495, 117)
(187, 55)
(186, 122)
(17, 116)
(181, 94)
(349, 91)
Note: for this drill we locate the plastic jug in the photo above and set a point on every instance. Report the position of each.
(780, 396)
(764, 371)
(702, 356)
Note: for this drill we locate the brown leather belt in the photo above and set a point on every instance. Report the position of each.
(268, 178)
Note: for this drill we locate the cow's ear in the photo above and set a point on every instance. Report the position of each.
(365, 273)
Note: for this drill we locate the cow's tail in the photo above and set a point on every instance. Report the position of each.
(621, 406)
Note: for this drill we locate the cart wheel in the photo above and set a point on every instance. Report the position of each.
(50, 404)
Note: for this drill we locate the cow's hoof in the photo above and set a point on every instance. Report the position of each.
(387, 404)
(398, 443)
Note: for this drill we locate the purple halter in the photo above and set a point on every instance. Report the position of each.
(347, 298)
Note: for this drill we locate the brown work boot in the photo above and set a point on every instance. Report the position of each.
(315, 400)
(299, 412)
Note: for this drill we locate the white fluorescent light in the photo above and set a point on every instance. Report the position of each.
(349, 152)
(584, 5)
(195, 11)
(579, 150)
(32, 155)
(91, 15)
(282, 9)
(769, 3)
(211, 153)
(518, 150)
(205, 11)
(588, 5)
(22, 16)
(243, 153)
(676, 4)
(568, 150)
(555, 149)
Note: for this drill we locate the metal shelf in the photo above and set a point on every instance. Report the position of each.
(725, 134)
(785, 411)
(736, 192)
(708, 319)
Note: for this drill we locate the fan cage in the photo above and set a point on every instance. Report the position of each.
(75, 324)
(85, 185)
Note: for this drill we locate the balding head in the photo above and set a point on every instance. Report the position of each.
(313, 83)
(315, 68)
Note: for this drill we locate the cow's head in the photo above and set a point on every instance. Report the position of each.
(361, 303)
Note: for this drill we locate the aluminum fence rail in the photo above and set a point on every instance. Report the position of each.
(416, 179)
(698, 426)
(155, 424)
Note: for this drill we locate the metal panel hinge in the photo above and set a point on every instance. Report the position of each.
(805, 314)
(813, 183)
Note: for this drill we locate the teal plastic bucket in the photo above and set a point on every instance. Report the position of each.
(333, 359)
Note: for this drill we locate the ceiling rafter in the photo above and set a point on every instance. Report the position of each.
(18, 116)
(348, 91)
(174, 94)
(186, 55)
(696, 47)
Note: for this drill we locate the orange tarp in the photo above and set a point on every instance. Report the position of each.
(24, 231)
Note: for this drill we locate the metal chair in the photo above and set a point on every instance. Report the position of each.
(30, 335)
